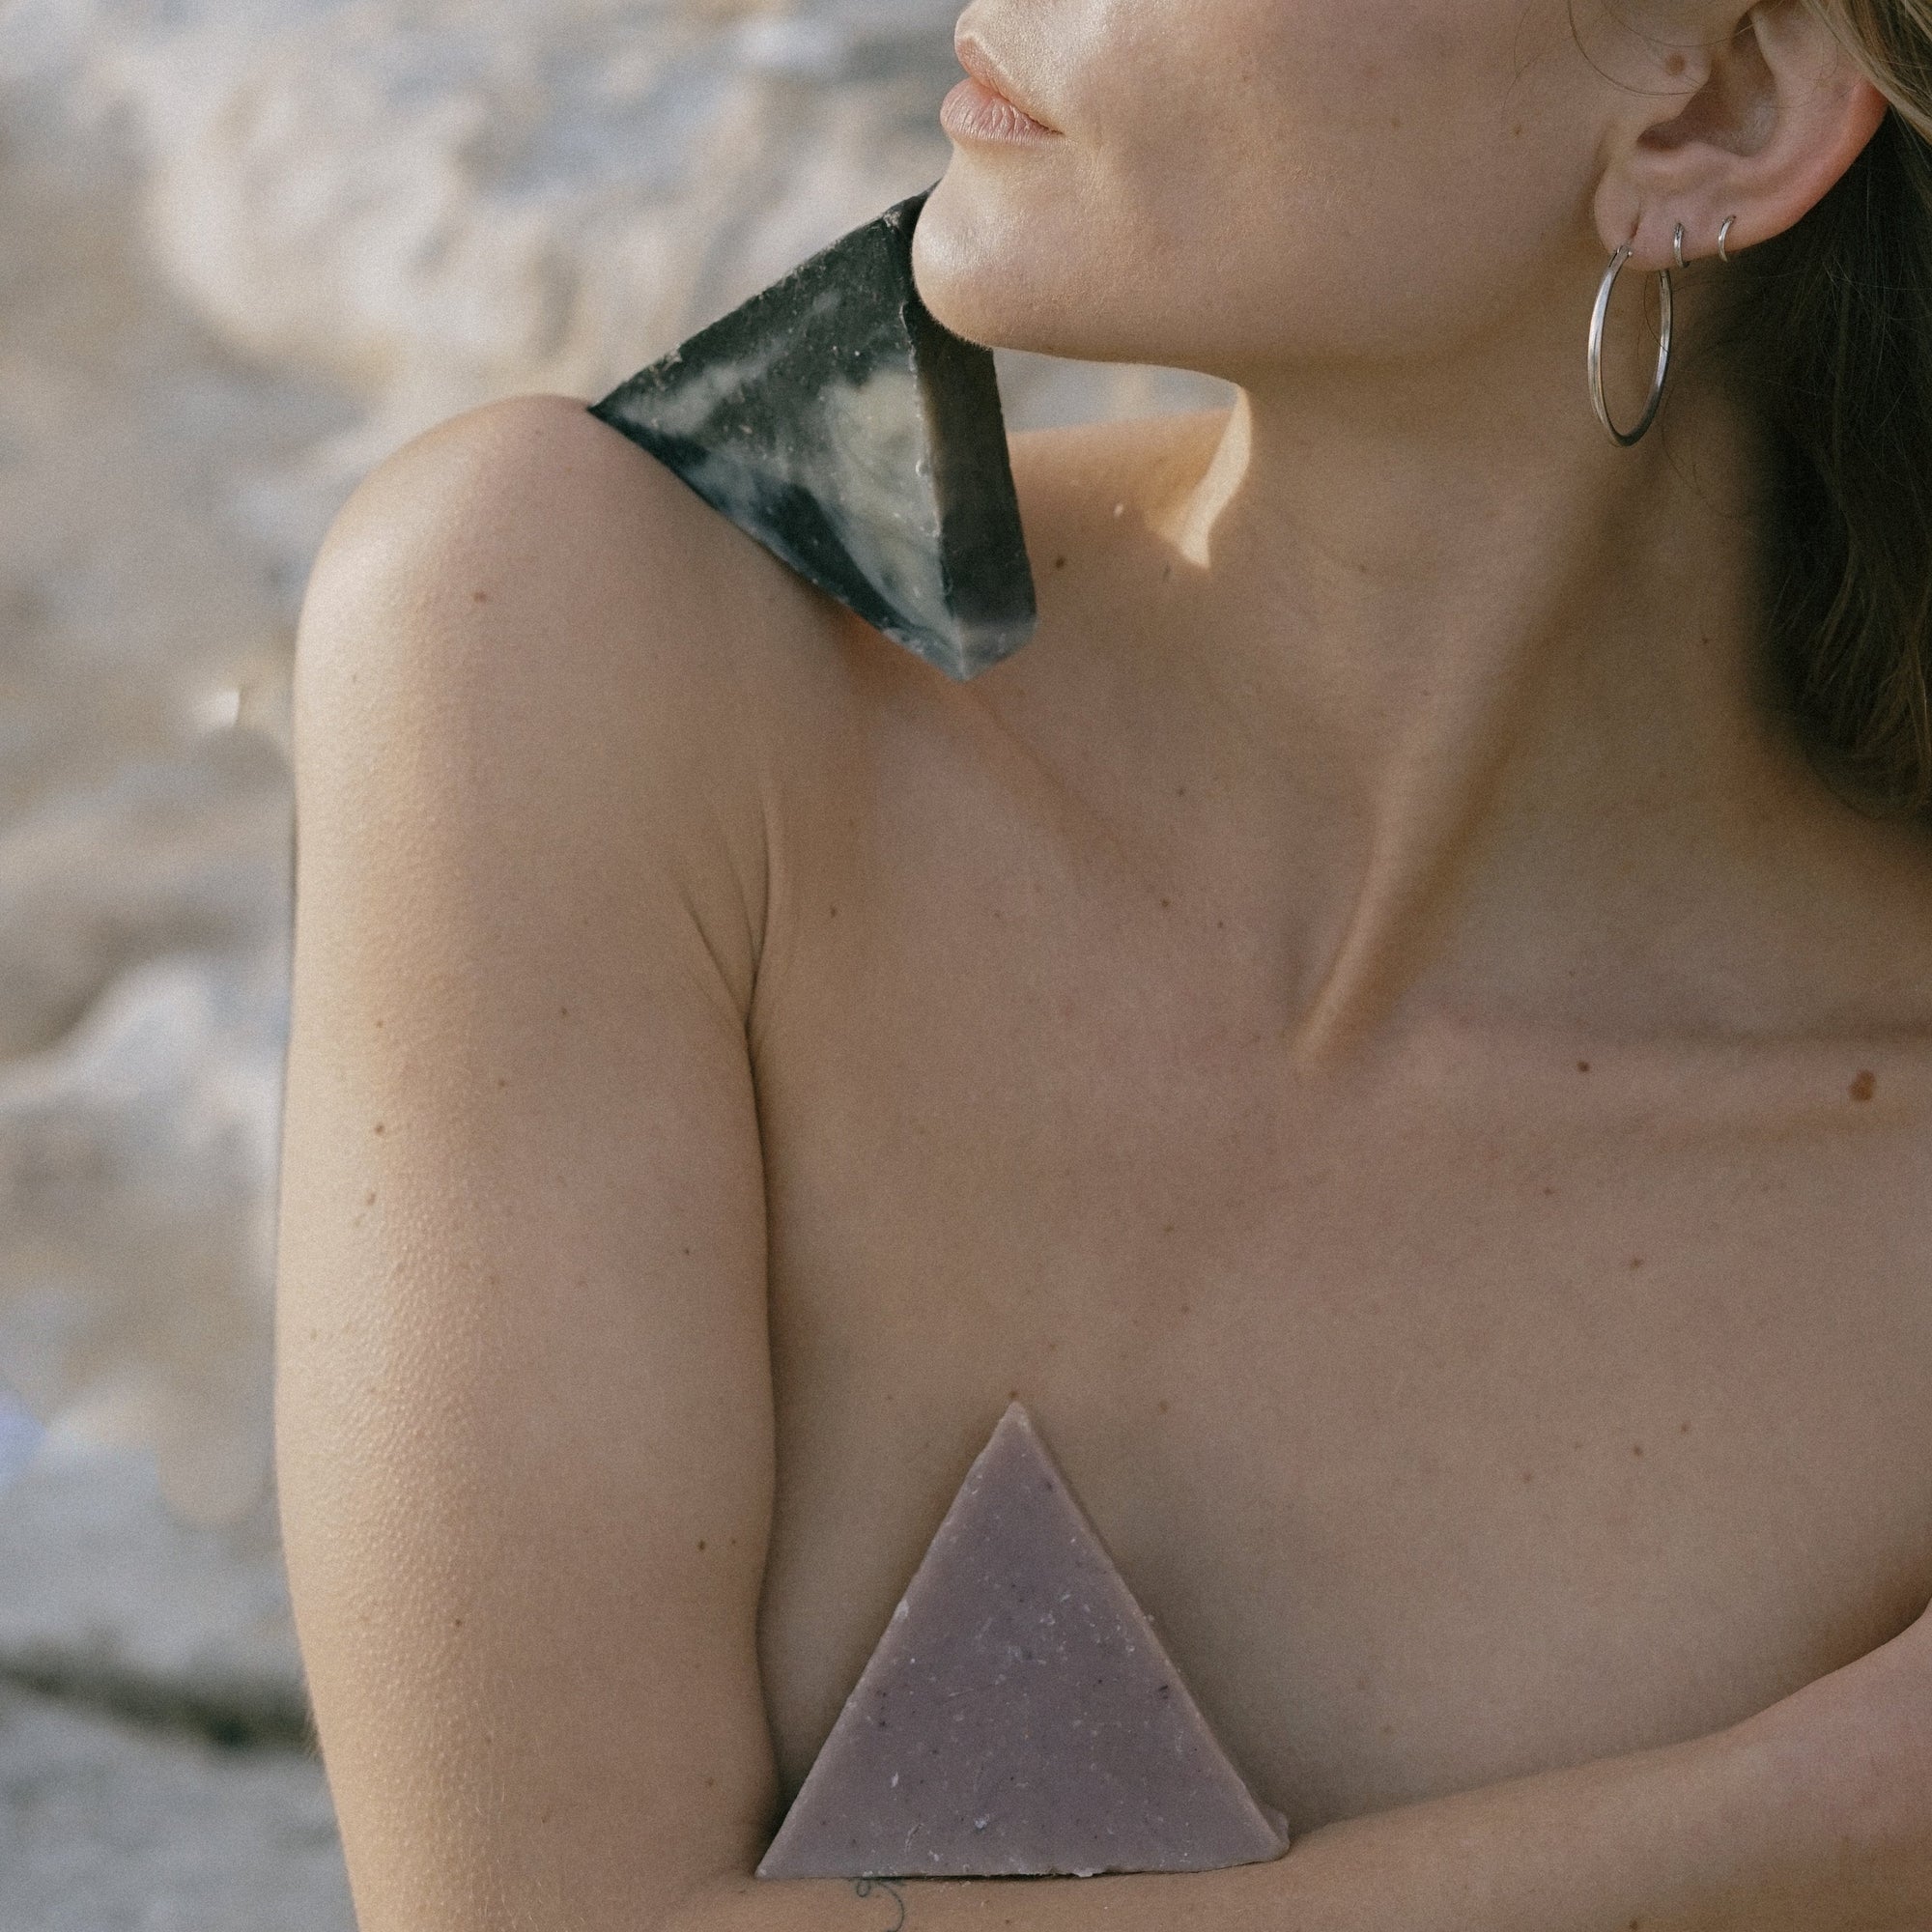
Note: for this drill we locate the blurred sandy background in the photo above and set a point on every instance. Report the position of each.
(246, 248)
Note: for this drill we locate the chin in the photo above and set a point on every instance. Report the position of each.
(1007, 268)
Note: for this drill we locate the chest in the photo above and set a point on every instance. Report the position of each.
(1472, 1411)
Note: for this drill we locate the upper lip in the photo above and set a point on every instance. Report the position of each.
(978, 61)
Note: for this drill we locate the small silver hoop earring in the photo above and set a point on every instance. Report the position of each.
(1677, 244)
(1597, 318)
(1721, 233)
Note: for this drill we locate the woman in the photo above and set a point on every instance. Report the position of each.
(1397, 1026)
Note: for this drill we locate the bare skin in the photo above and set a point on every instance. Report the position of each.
(1370, 1026)
(1449, 1394)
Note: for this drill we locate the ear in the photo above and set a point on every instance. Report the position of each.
(1777, 111)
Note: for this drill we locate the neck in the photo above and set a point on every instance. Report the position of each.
(1513, 668)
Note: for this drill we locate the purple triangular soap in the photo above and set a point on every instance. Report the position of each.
(1019, 1717)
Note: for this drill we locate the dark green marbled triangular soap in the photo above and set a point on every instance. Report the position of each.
(835, 421)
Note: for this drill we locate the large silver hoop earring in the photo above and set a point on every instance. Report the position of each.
(1597, 318)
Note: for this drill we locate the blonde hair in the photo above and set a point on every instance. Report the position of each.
(1828, 329)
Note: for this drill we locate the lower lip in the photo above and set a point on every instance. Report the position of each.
(973, 112)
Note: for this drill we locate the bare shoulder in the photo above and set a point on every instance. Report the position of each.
(523, 592)
(523, 600)
(535, 504)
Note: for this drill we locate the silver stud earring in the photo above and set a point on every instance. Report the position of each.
(1677, 244)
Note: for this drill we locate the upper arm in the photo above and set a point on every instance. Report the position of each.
(523, 1417)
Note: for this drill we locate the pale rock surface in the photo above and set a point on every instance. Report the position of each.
(20, 1437)
(110, 1827)
(109, 1597)
(136, 1169)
